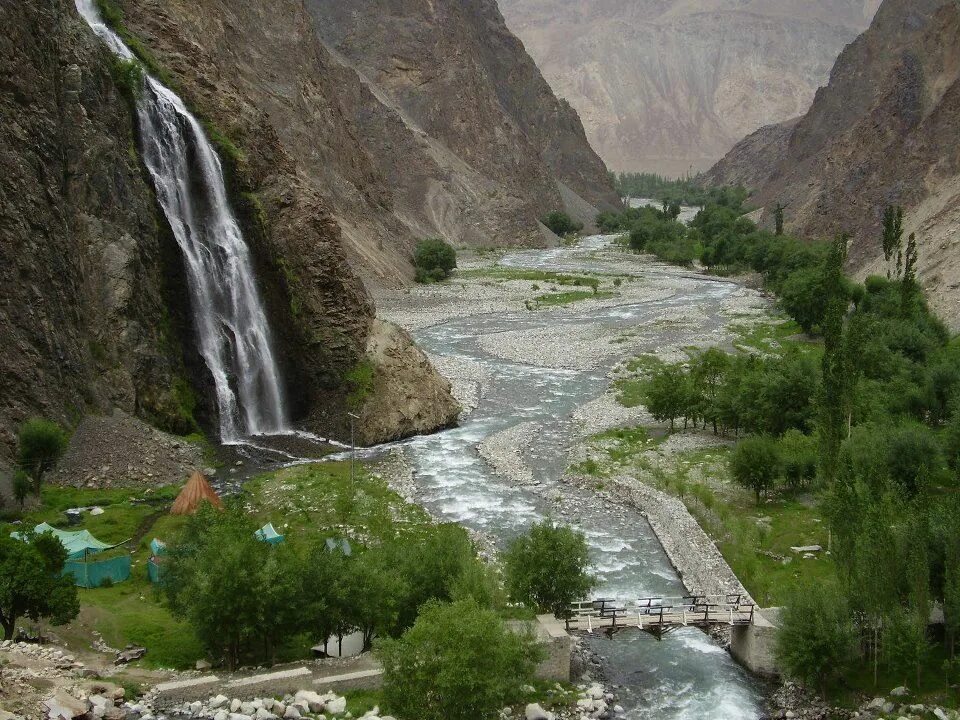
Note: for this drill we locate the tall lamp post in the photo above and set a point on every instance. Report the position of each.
(353, 444)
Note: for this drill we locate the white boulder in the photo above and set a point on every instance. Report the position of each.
(534, 711)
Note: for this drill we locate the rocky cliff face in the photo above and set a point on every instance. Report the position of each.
(671, 85)
(334, 177)
(88, 306)
(882, 132)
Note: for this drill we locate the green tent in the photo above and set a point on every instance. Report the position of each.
(78, 544)
(268, 533)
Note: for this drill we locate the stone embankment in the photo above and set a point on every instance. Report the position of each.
(793, 702)
(72, 690)
(693, 554)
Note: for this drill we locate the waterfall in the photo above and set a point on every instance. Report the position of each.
(232, 328)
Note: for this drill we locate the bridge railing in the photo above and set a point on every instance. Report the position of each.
(732, 609)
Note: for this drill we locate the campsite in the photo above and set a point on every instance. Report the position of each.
(306, 502)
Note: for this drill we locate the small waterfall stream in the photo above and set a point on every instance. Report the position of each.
(231, 325)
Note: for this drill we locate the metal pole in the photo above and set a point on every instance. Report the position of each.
(353, 446)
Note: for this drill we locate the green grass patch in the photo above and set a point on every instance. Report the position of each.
(754, 539)
(308, 499)
(508, 273)
(130, 612)
(362, 701)
(631, 390)
(773, 338)
(554, 299)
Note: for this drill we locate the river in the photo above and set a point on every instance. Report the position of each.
(684, 676)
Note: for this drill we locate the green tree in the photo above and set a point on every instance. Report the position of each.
(778, 219)
(434, 260)
(906, 642)
(548, 568)
(41, 443)
(909, 288)
(215, 578)
(951, 591)
(802, 297)
(377, 591)
(708, 372)
(755, 464)
(892, 233)
(458, 662)
(22, 485)
(799, 455)
(836, 388)
(561, 224)
(817, 640)
(430, 562)
(668, 395)
(32, 584)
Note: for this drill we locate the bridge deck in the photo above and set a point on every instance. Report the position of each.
(659, 616)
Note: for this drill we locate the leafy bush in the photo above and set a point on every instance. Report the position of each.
(561, 224)
(548, 568)
(458, 662)
(433, 260)
(817, 640)
(41, 444)
(128, 76)
(755, 464)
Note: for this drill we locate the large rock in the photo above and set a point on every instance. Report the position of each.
(406, 395)
(86, 322)
(63, 706)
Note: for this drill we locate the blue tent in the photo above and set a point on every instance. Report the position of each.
(268, 533)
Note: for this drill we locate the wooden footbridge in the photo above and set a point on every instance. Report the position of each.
(659, 616)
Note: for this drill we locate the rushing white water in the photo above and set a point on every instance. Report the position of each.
(231, 325)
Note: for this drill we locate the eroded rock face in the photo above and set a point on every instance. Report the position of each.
(334, 174)
(882, 132)
(407, 396)
(87, 319)
(670, 85)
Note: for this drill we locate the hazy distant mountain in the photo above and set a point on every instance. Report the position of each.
(664, 85)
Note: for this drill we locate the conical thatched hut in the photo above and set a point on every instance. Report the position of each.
(196, 491)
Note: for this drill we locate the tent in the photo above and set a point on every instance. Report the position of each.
(336, 544)
(196, 491)
(268, 533)
(157, 550)
(80, 546)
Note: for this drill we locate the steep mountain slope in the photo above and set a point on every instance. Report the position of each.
(394, 163)
(82, 261)
(670, 85)
(882, 132)
(334, 175)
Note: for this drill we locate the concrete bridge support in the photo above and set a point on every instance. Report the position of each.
(754, 646)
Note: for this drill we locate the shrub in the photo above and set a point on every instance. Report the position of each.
(548, 568)
(433, 260)
(561, 224)
(458, 662)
